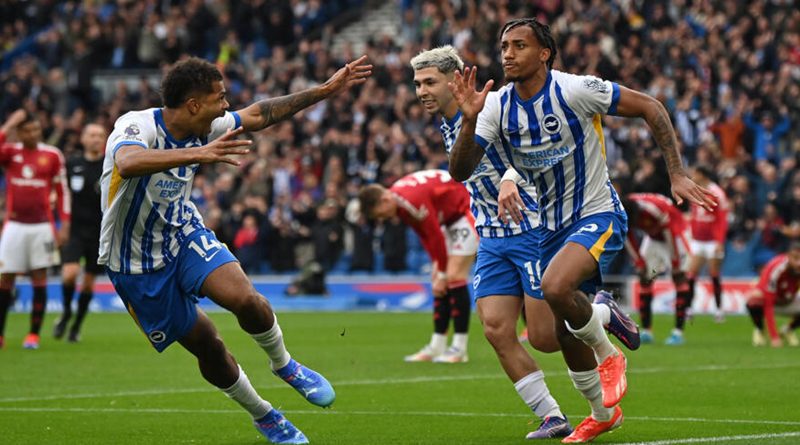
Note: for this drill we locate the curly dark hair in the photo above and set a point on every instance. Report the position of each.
(542, 33)
(193, 75)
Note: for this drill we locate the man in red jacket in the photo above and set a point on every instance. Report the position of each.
(437, 208)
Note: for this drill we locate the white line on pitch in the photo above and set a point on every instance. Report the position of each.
(377, 413)
(391, 381)
(716, 439)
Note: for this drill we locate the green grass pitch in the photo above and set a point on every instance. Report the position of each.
(113, 388)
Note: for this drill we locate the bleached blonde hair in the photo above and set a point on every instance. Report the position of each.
(444, 58)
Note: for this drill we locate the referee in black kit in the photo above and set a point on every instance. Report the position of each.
(83, 177)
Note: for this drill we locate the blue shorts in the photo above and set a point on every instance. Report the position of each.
(507, 266)
(163, 302)
(602, 234)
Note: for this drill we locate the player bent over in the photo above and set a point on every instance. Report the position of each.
(159, 255)
(437, 208)
(664, 248)
(505, 268)
(777, 293)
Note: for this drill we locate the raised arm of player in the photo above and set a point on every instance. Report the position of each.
(466, 153)
(635, 104)
(134, 160)
(269, 111)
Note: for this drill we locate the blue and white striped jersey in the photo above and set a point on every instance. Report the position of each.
(555, 140)
(146, 218)
(484, 186)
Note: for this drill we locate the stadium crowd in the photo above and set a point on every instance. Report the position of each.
(727, 71)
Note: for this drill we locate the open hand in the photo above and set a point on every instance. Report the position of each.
(469, 100)
(684, 188)
(225, 146)
(353, 73)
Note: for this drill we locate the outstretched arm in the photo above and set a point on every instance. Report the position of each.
(466, 153)
(635, 104)
(134, 160)
(266, 112)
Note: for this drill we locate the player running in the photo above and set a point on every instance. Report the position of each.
(159, 255)
(663, 249)
(437, 208)
(28, 243)
(549, 123)
(503, 282)
(709, 230)
(777, 293)
(83, 178)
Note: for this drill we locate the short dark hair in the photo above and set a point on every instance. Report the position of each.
(368, 199)
(542, 33)
(188, 76)
(29, 118)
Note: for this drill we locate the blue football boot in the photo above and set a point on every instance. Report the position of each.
(621, 325)
(310, 384)
(550, 428)
(278, 430)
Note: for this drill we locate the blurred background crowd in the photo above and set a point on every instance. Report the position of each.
(727, 71)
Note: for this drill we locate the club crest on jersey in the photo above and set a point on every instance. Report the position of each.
(551, 123)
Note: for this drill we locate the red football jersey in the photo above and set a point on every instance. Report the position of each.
(713, 225)
(426, 200)
(657, 215)
(779, 284)
(31, 175)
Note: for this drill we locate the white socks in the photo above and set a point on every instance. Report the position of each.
(245, 395)
(460, 341)
(588, 383)
(534, 392)
(438, 343)
(604, 312)
(271, 341)
(594, 334)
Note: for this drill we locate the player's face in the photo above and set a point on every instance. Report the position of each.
(385, 209)
(522, 54)
(431, 88)
(93, 138)
(30, 133)
(210, 106)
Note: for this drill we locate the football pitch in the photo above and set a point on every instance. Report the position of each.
(113, 388)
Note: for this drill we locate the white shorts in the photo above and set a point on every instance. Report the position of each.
(27, 247)
(792, 308)
(706, 249)
(460, 237)
(657, 255)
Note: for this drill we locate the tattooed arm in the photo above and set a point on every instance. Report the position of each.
(635, 104)
(266, 112)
